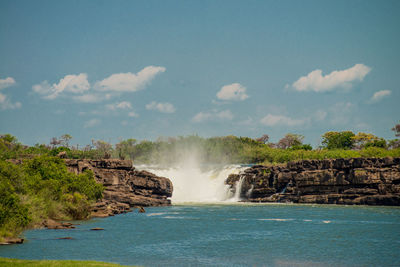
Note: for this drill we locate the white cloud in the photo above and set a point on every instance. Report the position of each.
(91, 123)
(91, 98)
(76, 84)
(7, 82)
(213, 115)
(316, 82)
(120, 105)
(129, 82)
(83, 91)
(5, 103)
(161, 107)
(380, 94)
(133, 114)
(274, 120)
(234, 91)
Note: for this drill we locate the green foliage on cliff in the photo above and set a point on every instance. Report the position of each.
(41, 188)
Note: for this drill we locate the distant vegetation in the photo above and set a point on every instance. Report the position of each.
(226, 149)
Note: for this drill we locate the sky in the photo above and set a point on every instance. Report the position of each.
(114, 70)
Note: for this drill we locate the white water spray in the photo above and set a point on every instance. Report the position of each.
(238, 189)
(193, 183)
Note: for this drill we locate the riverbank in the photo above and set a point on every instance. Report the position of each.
(44, 191)
(55, 263)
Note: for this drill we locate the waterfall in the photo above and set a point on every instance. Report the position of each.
(284, 189)
(238, 189)
(194, 183)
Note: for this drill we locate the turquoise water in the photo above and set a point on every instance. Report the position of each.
(228, 235)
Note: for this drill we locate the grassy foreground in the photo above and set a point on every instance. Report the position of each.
(17, 262)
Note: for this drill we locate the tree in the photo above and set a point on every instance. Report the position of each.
(362, 140)
(54, 142)
(263, 139)
(290, 140)
(395, 143)
(338, 140)
(103, 148)
(396, 130)
(65, 139)
(126, 148)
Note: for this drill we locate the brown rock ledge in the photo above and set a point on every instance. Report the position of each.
(125, 186)
(355, 181)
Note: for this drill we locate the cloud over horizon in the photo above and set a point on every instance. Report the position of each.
(275, 120)
(213, 115)
(91, 123)
(7, 82)
(119, 105)
(129, 82)
(5, 101)
(315, 81)
(161, 107)
(379, 95)
(234, 91)
(79, 89)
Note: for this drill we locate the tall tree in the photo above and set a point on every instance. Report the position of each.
(338, 140)
(263, 139)
(290, 140)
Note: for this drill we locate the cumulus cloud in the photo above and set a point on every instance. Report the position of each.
(5, 103)
(119, 105)
(91, 123)
(129, 82)
(234, 91)
(91, 98)
(275, 120)
(213, 115)
(79, 89)
(380, 94)
(316, 82)
(7, 82)
(76, 84)
(161, 107)
(133, 114)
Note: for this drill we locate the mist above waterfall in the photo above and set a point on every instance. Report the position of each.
(196, 181)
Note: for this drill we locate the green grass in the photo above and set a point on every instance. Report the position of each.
(17, 262)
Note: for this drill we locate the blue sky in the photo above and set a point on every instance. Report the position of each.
(113, 70)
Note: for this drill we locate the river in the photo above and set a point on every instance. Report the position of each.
(206, 226)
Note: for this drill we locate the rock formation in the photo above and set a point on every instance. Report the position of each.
(362, 181)
(125, 187)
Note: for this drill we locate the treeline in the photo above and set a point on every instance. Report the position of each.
(226, 149)
(42, 188)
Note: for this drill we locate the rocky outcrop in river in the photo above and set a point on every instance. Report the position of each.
(125, 186)
(360, 181)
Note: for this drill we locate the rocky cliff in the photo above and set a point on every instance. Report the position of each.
(365, 181)
(125, 186)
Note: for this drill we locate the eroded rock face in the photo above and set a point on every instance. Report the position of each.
(362, 181)
(125, 187)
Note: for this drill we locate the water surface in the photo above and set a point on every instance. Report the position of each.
(228, 235)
